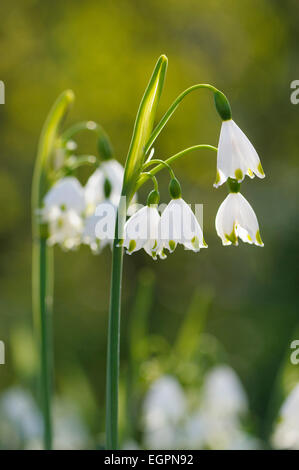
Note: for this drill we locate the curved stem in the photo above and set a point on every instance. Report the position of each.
(144, 177)
(162, 162)
(104, 144)
(153, 178)
(172, 109)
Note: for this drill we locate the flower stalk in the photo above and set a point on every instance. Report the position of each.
(42, 259)
(135, 159)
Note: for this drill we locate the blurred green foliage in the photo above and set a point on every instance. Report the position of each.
(105, 52)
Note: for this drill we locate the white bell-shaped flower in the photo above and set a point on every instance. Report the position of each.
(99, 228)
(179, 225)
(66, 194)
(236, 155)
(65, 228)
(236, 218)
(142, 231)
(64, 206)
(113, 172)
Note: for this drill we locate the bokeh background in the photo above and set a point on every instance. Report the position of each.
(105, 51)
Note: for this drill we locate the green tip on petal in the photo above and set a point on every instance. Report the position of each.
(259, 239)
(171, 244)
(239, 174)
(132, 246)
(260, 169)
(232, 238)
(195, 243)
(217, 180)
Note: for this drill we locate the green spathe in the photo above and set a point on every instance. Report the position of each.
(143, 127)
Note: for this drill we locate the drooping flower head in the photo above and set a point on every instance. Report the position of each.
(142, 229)
(179, 224)
(109, 176)
(236, 156)
(63, 210)
(236, 218)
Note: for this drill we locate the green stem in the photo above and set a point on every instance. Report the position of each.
(172, 109)
(113, 338)
(42, 258)
(145, 176)
(42, 271)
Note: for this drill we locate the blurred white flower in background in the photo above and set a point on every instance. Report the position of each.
(20, 419)
(215, 423)
(110, 171)
(163, 409)
(63, 211)
(99, 228)
(286, 432)
(21, 423)
(223, 393)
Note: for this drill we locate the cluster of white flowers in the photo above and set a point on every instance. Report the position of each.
(214, 424)
(235, 218)
(72, 212)
(70, 209)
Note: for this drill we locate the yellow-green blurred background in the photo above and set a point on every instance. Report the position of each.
(105, 51)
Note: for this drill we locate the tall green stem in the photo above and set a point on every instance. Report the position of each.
(141, 133)
(42, 273)
(113, 347)
(42, 258)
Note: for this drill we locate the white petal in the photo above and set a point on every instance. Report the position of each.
(179, 225)
(236, 156)
(248, 227)
(226, 220)
(152, 244)
(65, 229)
(249, 153)
(94, 189)
(236, 218)
(135, 230)
(67, 193)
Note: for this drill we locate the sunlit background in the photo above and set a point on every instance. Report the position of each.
(191, 315)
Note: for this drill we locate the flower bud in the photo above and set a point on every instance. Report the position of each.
(175, 189)
(153, 198)
(222, 106)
